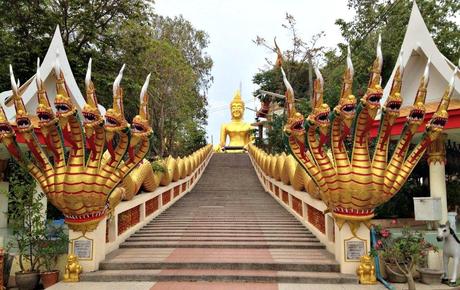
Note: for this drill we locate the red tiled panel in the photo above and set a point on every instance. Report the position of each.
(135, 215)
(271, 187)
(128, 218)
(176, 190)
(184, 187)
(166, 197)
(285, 197)
(316, 218)
(297, 205)
(151, 206)
(277, 191)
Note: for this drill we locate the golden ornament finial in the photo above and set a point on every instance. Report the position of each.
(421, 92)
(376, 79)
(118, 93)
(237, 99)
(347, 85)
(318, 86)
(18, 103)
(397, 79)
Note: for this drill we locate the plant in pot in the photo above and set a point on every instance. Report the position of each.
(28, 227)
(402, 254)
(55, 244)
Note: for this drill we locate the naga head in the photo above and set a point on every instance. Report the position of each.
(374, 92)
(45, 114)
(23, 121)
(140, 127)
(319, 117)
(114, 118)
(91, 115)
(6, 131)
(394, 101)
(346, 108)
(439, 119)
(418, 110)
(63, 104)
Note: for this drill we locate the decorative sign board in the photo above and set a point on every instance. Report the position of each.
(427, 208)
(354, 249)
(83, 248)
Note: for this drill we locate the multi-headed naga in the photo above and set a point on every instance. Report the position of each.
(81, 181)
(351, 181)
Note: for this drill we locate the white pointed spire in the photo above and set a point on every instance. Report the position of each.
(349, 62)
(88, 74)
(38, 77)
(379, 51)
(116, 83)
(14, 85)
(319, 76)
(426, 73)
(145, 87)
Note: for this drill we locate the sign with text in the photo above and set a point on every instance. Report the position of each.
(83, 248)
(354, 249)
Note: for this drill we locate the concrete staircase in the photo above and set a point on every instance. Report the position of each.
(226, 229)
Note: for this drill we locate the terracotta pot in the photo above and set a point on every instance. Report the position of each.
(430, 276)
(49, 278)
(27, 280)
(393, 277)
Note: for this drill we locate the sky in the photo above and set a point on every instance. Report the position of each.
(232, 25)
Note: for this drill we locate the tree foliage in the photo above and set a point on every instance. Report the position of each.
(114, 32)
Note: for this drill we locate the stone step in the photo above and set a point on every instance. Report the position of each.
(224, 235)
(216, 275)
(135, 238)
(219, 244)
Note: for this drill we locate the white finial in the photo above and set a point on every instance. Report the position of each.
(319, 76)
(379, 51)
(14, 85)
(38, 78)
(145, 87)
(57, 65)
(349, 62)
(286, 82)
(426, 74)
(88, 74)
(400, 62)
(452, 82)
(117, 81)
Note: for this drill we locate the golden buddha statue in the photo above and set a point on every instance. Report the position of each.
(238, 131)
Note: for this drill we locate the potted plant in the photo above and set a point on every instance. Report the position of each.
(402, 254)
(55, 244)
(28, 227)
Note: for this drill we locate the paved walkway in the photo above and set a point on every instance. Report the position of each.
(229, 286)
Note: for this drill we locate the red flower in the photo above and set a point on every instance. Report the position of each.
(385, 233)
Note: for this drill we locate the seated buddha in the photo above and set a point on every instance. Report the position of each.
(238, 131)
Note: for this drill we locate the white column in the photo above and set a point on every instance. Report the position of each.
(91, 246)
(350, 247)
(437, 171)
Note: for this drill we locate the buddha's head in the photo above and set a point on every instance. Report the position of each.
(237, 107)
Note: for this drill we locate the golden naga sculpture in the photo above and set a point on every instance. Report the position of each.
(366, 271)
(72, 269)
(83, 185)
(238, 131)
(353, 183)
